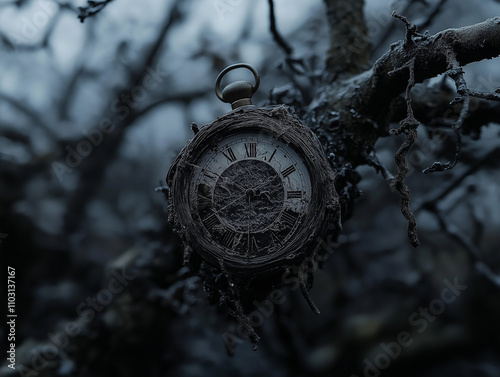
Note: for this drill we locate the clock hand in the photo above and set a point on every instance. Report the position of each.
(262, 184)
(239, 186)
(240, 197)
(231, 203)
(225, 179)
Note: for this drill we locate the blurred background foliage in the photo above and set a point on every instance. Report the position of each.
(146, 70)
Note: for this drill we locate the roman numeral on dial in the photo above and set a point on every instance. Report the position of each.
(211, 221)
(294, 194)
(229, 154)
(254, 246)
(289, 217)
(270, 158)
(228, 239)
(276, 240)
(251, 149)
(289, 170)
(210, 175)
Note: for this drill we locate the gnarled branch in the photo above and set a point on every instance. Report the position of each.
(354, 112)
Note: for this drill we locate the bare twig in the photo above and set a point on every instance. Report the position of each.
(94, 167)
(185, 97)
(80, 72)
(484, 95)
(274, 31)
(411, 30)
(409, 126)
(24, 45)
(474, 255)
(36, 118)
(435, 107)
(433, 198)
(457, 74)
(373, 161)
(92, 9)
(230, 302)
(434, 13)
(389, 30)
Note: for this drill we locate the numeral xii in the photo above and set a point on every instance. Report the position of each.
(251, 149)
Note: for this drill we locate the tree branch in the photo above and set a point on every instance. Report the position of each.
(431, 200)
(354, 112)
(433, 55)
(92, 9)
(36, 118)
(409, 126)
(472, 251)
(434, 13)
(435, 107)
(94, 167)
(349, 41)
(457, 74)
(389, 30)
(489, 96)
(185, 98)
(274, 31)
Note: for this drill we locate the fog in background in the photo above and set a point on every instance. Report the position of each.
(128, 82)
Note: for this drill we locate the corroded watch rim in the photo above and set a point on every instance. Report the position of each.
(279, 123)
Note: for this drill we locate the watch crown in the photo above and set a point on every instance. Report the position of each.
(238, 93)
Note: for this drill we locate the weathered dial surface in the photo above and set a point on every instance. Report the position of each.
(250, 194)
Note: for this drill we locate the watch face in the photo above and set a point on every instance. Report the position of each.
(252, 192)
(249, 194)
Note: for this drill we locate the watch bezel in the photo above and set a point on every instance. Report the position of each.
(278, 123)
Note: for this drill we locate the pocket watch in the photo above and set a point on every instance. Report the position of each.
(251, 196)
(252, 190)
